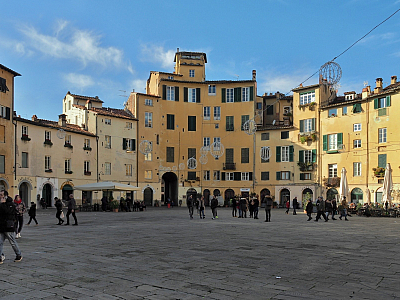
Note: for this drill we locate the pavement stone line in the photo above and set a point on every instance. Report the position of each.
(162, 254)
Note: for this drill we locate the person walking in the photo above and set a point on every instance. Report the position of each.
(334, 209)
(8, 213)
(343, 209)
(309, 209)
(234, 208)
(32, 214)
(21, 209)
(189, 204)
(251, 208)
(268, 206)
(294, 205)
(104, 203)
(243, 207)
(255, 208)
(287, 206)
(328, 208)
(214, 205)
(202, 207)
(58, 204)
(321, 210)
(71, 210)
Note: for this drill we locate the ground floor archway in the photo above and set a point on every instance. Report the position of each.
(216, 192)
(306, 195)
(263, 194)
(3, 185)
(331, 194)
(284, 197)
(47, 194)
(170, 187)
(24, 192)
(148, 196)
(66, 191)
(229, 195)
(356, 196)
(206, 195)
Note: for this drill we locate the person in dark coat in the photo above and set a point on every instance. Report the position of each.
(8, 214)
(58, 204)
(294, 204)
(334, 208)
(268, 206)
(321, 210)
(243, 207)
(104, 203)
(214, 205)
(234, 208)
(32, 214)
(255, 208)
(309, 209)
(189, 204)
(71, 209)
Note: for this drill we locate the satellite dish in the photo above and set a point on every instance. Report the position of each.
(273, 122)
(61, 133)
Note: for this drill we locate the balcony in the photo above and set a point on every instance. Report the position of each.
(331, 182)
(305, 166)
(229, 166)
(25, 137)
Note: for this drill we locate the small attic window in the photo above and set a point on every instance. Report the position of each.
(350, 97)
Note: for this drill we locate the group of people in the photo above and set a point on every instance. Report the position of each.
(191, 202)
(326, 208)
(243, 205)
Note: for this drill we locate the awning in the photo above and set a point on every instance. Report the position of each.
(106, 186)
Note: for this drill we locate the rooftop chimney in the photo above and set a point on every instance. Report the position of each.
(254, 74)
(378, 87)
(34, 118)
(62, 120)
(177, 49)
(394, 80)
(88, 104)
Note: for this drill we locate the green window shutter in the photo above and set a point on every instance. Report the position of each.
(197, 95)
(301, 156)
(191, 123)
(291, 153)
(387, 101)
(251, 93)
(133, 147)
(177, 93)
(250, 175)
(314, 155)
(185, 94)
(313, 124)
(354, 110)
(278, 175)
(237, 94)
(237, 176)
(382, 160)
(376, 104)
(339, 139)
(358, 106)
(278, 153)
(222, 175)
(223, 93)
(124, 142)
(164, 92)
(301, 125)
(325, 142)
(301, 176)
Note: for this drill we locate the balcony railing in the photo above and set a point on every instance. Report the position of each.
(229, 166)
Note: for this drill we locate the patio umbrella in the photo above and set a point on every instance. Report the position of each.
(368, 196)
(106, 186)
(387, 185)
(344, 187)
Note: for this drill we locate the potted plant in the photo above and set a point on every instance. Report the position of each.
(25, 137)
(114, 204)
(303, 139)
(48, 142)
(379, 172)
(312, 105)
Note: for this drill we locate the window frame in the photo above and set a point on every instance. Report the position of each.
(207, 112)
(356, 127)
(191, 73)
(107, 121)
(285, 153)
(148, 119)
(24, 160)
(382, 135)
(357, 143)
(67, 165)
(206, 175)
(107, 141)
(107, 168)
(47, 162)
(86, 166)
(245, 94)
(245, 176)
(217, 113)
(212, 89)
(216, 175)
(230, 95)
(128, 169)
(307, 97)
(332, 170)
(357, 169)
(148, 102)
(170, 93)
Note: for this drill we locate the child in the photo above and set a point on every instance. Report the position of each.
(32, 214)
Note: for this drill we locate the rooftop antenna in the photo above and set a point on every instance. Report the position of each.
(365, 83)
(237, 76)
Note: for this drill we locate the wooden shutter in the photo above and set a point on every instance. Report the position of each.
(278, 153)
(197, 95)
(222, 175)
(376, 104)
(223, 93)
(237, 176)
(291, 152)
(301, 176)
(124, 142)
(164, 92)
(237, 94)
(278, 175)
(245, 155)
(325, 142)
(251, 93)
(382, 160)
(133, 144)
(387, 101)
(177, 93)
(8, 113)
(314, 155)
(250, 175)
(185, 94)
(313, 124)
(301, 125)
(339, 139)
(301, 156)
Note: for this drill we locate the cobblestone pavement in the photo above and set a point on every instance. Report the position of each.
(161, 254)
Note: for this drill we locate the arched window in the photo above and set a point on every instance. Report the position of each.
(357, 195)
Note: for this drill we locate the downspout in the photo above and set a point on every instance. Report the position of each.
(15, 143)
(97, 152)
(367, 171)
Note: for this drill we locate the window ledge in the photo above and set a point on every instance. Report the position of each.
(332, 151)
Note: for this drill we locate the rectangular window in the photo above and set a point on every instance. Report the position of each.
(382, 135)
(148, 157)
(332, 170)
(68, 139)
(245, 176)
(265, 136)
(270, 110)
(332, 142)
(245, 118)
(382, 102)
(86, 166)
(207, 112)
(305, 176)
(356, 143)
(192, 95)
(191, 73)
(171, 93)
(382, 160)
(357, 127)
(2, 164)
(24, 130)
(306, 98)
(357, 169)
(245, 94)
(229, 95)
(259, 105)
(307, 125)
(148, 174)
(128, 170)
(229, 123)
(191, 175)
(128, 144)
(285, 175)
(229, 176)
(171, 77)
(332, 113)
(107, 168)
(245, 155)
(212, 89)
(108, 141)
(107, 121)
(148, 119)
(206, 141)
(128, 125)
(217, 175)
(217, 140)
(170, 122)
(86, 143)
(47, 135)
(191, 152)
(67, 165)
(217, 113)
(308, 156)
(191, 123)
(284, 135)
(24, 157)
(206, 175)
(284, 153)
(47, 163)
(2, 134)
(344, 111)
(170, 154)
(148, 102)
(264, 175)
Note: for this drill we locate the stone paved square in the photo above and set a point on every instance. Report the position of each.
(162, 254)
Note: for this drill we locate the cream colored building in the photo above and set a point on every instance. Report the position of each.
(7, 141)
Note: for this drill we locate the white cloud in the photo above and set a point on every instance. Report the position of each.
(284, 83)
(78, 81)
(80, 45)
(139, 85)
(157, 54)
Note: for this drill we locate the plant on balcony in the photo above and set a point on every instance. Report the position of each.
(87, 148)
(312, 105)
(48, 170)
(68, 172)
(87, 173)
(307, 136)
(331, 181)
(48, 142)
(379, 172)
(305, 166)
(288, 114)
(25, 137)
(68, 145)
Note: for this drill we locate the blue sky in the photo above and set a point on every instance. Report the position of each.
(104, 48)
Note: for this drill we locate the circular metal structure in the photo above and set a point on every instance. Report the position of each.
(203, 159)
(192, 163)
(174, 168)
(265, 153)
(145, 147)
(330, 73)
(217, 149)
(61, 133)
(204, 150)
(167, 169)
(181, 166)
(250, 127)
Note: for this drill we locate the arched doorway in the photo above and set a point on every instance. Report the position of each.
(306, 195)
(24, 193)
(3, 185)
(47, 193)
(206, 195)
(229, 195)
(332, 194)
(357, 196)
(263, 194)
(148, 196)
(216, 192)
(66, 191)
(170, 187)
(285, 196)
(378, 195)
(191, 192)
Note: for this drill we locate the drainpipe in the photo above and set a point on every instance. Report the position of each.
(97, 153)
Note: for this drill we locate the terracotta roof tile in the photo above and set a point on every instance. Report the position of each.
(95, 99)
(113, 112)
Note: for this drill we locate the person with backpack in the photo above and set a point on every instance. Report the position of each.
(8, 217)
